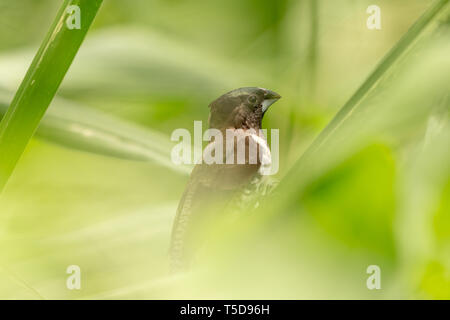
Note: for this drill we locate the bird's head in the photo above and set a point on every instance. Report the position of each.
(242, 108)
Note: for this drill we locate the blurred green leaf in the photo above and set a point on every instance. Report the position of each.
(75, 126)
(356, 200)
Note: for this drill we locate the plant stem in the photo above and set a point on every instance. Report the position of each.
(311, 59)
(41, 82)
(307, 76)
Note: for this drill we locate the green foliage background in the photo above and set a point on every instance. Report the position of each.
(95, 187)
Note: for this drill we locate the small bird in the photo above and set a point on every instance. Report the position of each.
(212, 188)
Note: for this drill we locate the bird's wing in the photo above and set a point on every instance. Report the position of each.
(209, 190)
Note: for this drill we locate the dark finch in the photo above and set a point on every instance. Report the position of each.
(213, 187)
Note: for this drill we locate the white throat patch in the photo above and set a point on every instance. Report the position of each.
(265, 157)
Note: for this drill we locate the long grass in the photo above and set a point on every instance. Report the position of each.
(41, 82)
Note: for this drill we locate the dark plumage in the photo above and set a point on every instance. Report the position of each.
(211, 188)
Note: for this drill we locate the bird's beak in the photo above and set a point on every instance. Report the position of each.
(270, 98)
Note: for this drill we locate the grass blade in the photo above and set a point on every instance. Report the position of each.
(75, 126)
(367, 86)
(41, 82)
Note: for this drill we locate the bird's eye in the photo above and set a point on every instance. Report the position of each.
(252, 99)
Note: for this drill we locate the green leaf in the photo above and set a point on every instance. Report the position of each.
(41, 83)
(73, 125)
